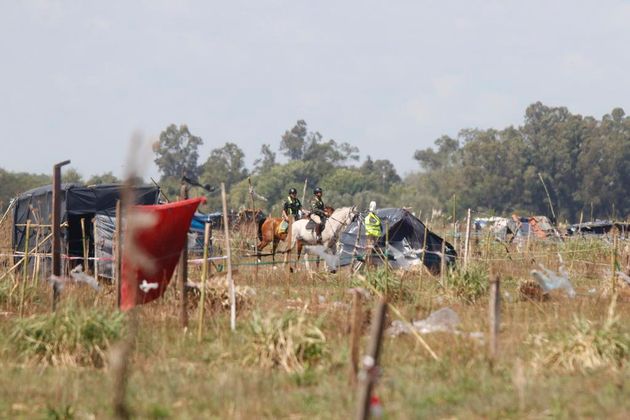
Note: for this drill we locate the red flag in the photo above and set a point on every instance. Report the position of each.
(154, 239)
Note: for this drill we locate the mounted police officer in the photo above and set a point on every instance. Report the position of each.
(292, 207)
(317, 213)
(372, 230)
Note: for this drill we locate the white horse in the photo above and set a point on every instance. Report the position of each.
(301, 235)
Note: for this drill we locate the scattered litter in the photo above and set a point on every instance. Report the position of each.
(332, 261)
(549, 280)
(444, 319)
(592, 291)
(623, 276)
(80, 277)
(321, 299)
(145, 287)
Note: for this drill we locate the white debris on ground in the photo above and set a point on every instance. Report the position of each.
(332, 261)
(550, 280)
(80, 277)
(442, 320)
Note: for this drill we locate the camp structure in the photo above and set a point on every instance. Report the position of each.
(600, 227)
(516, 228)
(407, 240)
(79, 207)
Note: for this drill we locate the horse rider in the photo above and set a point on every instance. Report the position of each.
(372, 230)
(317, 213)
(292, 207)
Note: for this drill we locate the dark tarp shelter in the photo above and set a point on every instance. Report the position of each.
(406, 236)
(77, 202)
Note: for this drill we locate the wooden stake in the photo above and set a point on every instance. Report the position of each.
(25, 268)
(204, 275)
(255, 231)
(613, 262)
(494, 317)
(355, 335)
(118, 253)
(467, 240)
(85, 246)
(370, 370)
(229, 260)
(95, 234)
(183, 268)
(443, 263)
(56, 222)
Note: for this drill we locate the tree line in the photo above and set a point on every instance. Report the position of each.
(583, 162)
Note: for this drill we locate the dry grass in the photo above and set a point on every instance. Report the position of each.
(289, 355)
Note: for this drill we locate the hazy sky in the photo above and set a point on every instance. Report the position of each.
(76, 80)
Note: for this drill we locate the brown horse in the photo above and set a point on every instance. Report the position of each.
(268, 233)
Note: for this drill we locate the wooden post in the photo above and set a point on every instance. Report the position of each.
(355, 335)
(494, 317)
(182, 272)
(613, 262)
(56, 222)
(118, 253)
(204, 275)
(255, 231)
(229, 260)
(443, 262)
(95, 234)
(25, 268)
(386, 253)
(370, 369)
(85, 247)
(467, 240)
(424, 253)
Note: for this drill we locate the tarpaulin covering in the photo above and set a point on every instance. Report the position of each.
(152, 248)
(77, 202)
(104, 228)
(406, 236)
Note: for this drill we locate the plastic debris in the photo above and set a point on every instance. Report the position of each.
(80, 277)
(623, 276)
(444, 319)
(550, 280)
(332, 261)
(145, 286)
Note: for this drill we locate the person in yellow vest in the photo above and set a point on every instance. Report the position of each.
(372, 230)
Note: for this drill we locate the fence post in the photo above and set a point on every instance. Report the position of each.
(25, 268)
(467, 240)
(56, 221)
(370, 370)
(118, 253)
(183, 267)
(494, 316)
(204, 275)
(355, 334)
(229, 260)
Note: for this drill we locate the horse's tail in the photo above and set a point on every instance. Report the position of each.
(259, 228)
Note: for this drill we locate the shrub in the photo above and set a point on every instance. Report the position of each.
(289, 341)
(70, 336)
(468, 285)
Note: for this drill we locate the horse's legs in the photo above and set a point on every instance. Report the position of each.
(263, 243)
(274, 246)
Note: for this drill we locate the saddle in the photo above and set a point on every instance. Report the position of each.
(311, 225)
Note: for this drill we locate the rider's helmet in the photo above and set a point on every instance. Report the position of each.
(292, 191)
(317, 190)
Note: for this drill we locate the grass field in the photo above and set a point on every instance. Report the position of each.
(289, 355)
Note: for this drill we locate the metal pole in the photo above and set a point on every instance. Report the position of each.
(56, 221)
(467, 240)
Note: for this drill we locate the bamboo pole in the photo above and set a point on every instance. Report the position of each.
(96, 260)
(182, 273)
(25, 268)
(467, 240)
(443, 263)
(494, 317)
(613, 262)
(229, 260)
(204, 275)
(56, 220)
(370, 369)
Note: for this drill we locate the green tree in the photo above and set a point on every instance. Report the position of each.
(71, 175)
(293, 141)
(177, 152)
(105, 178)
(266, 161)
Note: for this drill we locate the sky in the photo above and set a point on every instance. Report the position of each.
(78, 79)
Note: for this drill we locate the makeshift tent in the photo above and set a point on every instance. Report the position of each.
(406, 236)
(77, 202)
